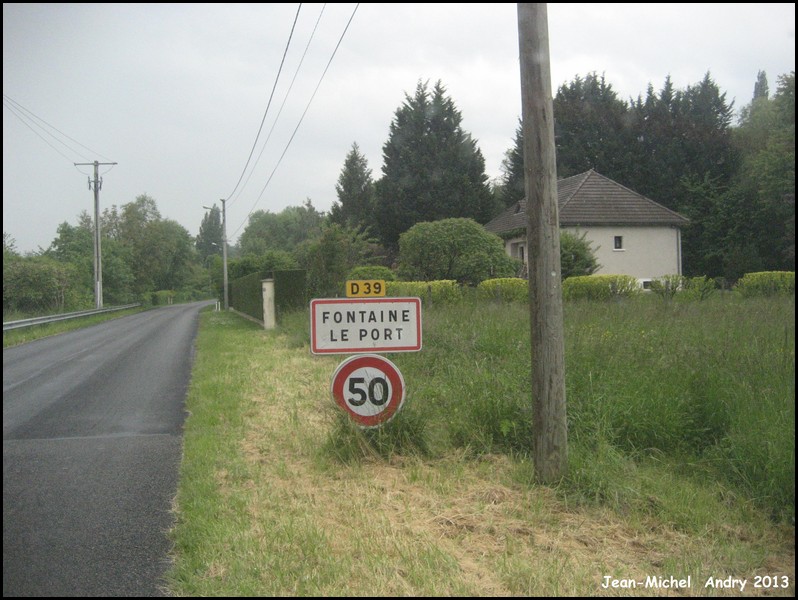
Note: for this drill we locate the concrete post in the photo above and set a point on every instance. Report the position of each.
(269, 313)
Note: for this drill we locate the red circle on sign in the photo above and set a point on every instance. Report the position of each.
(369, 388)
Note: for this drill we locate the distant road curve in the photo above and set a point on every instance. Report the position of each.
(92, 439)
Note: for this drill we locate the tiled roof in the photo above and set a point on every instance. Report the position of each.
(592, 199)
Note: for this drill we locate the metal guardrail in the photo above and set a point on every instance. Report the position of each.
(62, 317)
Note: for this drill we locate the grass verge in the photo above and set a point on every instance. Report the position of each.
(281, 497)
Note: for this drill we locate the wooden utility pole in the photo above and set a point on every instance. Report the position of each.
(98, 255)
(550, 431)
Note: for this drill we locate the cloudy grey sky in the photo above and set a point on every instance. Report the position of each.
(175, 93)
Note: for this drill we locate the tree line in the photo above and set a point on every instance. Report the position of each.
(680, 148)
(736, 183)
(141, 253)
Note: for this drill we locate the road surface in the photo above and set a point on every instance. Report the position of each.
(92, 439)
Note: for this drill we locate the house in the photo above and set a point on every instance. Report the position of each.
(629, 233)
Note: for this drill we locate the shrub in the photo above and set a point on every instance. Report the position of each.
(458, 249)
(445, 291)
(667, 286)
(506, 289)
(576, 255)
(767, 283)
(40, 285)
(162, 297)
(700, 288)
(600, 287)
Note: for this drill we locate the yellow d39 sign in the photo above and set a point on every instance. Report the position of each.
(365, 288)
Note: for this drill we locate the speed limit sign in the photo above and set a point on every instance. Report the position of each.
(369, 388)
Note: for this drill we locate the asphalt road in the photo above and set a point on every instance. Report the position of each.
(92, 439)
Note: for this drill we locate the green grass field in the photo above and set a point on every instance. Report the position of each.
(681, 459)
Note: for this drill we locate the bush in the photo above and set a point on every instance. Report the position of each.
(576, 255)
(506, 289)
(667, 286)
(767, 283)
(162, 297)
(700, 288)
(458, 249)
(39, 285)
(600, 287)
(435, 292)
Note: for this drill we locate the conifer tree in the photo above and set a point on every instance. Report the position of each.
(209, 239)
(355, 189)
(432, 168)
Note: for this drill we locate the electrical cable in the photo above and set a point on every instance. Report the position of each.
(255, 143)
(16, 109)
(285, 99)
(301, 118)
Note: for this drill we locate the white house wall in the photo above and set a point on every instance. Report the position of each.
(647, 252)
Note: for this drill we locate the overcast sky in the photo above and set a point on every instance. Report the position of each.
(176, 93)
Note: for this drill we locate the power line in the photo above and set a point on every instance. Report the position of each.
(300, 118)
(36, 133)
(17, 110)
(255, 143)
(285, 99)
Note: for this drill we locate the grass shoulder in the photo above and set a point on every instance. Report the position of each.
(281, 495)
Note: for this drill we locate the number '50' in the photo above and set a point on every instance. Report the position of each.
(375, 392)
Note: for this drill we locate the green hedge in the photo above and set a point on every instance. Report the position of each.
(600, 287)
(504, 289)
(290, 291)
(435, 292)
(767, 283)
(246, 295)
(687, 288)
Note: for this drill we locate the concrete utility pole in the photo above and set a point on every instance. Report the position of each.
(224, 252)
(224, 249)
(550, 431)
(98, 259)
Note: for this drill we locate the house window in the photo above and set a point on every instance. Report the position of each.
(619, 242)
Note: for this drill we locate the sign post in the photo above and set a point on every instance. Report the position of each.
(369, 388)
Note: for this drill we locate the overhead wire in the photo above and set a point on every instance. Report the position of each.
(285, 99)
(274, 87)
(27, 117)
(329, 62)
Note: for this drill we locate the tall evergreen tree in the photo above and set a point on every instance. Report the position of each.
(761, 209)
(761, 86)
(681, 136)
(512, 182)
(355, 189)
(592, 129)
(432, 168)
(209, 239)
